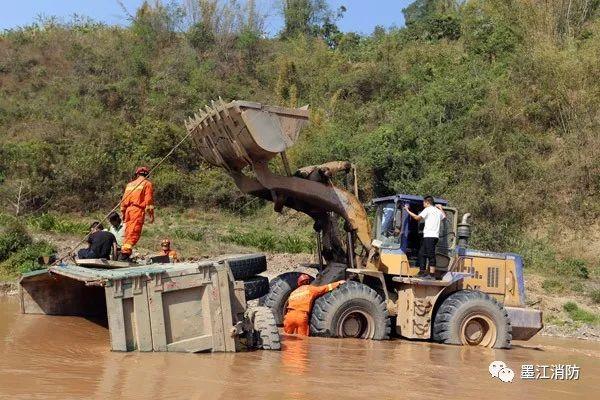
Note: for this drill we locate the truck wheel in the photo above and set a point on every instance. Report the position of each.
(244, 266)
(256, 287)
(472, 318)
(279, 291)
(265, 332)
(352, 310)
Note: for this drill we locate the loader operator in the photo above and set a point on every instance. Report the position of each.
(137, 200)
(432, 215)
(300, 304)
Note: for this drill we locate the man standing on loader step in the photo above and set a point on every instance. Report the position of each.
(137, 199)
(300, 304)
(432, 215)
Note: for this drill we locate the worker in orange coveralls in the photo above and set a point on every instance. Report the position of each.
(166, 250)
(137, 200)
(300, 304)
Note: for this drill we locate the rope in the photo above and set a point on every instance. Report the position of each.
(119, 203)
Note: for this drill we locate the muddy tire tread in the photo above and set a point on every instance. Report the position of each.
(256, 287)
(325, 307)
(266, 329)
(244, 266)
(445, 321)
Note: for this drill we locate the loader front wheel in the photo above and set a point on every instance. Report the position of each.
(472, 318)
(353, 310)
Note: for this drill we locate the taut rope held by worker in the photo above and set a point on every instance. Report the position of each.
(134, 187)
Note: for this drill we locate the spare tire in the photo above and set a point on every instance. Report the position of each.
(279, 291)
(245, 265)
(256, 287)
(472, 318)
(352, 310)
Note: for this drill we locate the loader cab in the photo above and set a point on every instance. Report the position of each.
(398, 231)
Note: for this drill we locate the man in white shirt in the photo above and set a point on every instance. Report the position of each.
(432, 215)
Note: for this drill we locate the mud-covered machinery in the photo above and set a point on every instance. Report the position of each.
(479, 300)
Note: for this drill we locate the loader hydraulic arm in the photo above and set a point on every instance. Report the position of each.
(238, 136)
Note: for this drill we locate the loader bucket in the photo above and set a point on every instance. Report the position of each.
(240, 133)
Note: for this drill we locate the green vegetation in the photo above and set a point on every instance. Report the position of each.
(18, 251)
(595, 295)
(52, 223)
(491, 104)
(578, 314)
(553, 286)
(269, 240)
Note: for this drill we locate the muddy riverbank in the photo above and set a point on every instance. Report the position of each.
(69, 358)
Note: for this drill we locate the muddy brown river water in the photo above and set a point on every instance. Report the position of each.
(43, 357)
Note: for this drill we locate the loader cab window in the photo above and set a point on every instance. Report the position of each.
(396, 229)
(386, 227)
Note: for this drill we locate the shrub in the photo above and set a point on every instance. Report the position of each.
(26, 258)
(553, 286)
(573, 267)
(197, 235)
(13, 238)
(267, 240)
(578, 314)
(51, 223)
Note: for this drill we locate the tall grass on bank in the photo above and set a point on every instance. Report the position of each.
(269, 240)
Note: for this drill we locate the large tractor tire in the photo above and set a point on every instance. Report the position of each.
(245, 265)
(352, 310)
(472, 318)
(279, 291)
(256, 287)
(265, 332)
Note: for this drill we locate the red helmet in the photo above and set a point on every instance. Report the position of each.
(303, 279)
(142, 171)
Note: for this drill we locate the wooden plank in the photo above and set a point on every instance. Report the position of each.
(103, 263)
(192, 345)
(116, 320)
(142, 315)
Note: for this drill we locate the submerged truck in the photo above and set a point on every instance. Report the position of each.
(183, 307)
(480, 298)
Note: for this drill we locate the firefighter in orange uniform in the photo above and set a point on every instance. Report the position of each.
(300, 304)
(166, 250)
(137, 201)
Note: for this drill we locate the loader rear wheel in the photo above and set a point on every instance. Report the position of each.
(472, 318)
(279, 291)
(353, 310)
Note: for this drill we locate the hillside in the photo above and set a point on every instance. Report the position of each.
(492, 104)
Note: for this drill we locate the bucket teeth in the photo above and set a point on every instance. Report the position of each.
(238, 134)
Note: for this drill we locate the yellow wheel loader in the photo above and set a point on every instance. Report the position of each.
(478, 298)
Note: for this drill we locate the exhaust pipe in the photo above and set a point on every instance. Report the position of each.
(463, 231)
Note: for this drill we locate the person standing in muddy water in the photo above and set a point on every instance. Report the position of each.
(138, 200)
(432, 215)
(300, 305)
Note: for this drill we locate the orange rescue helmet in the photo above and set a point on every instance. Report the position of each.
(142, 171)
(303, 279)
(165, 242)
